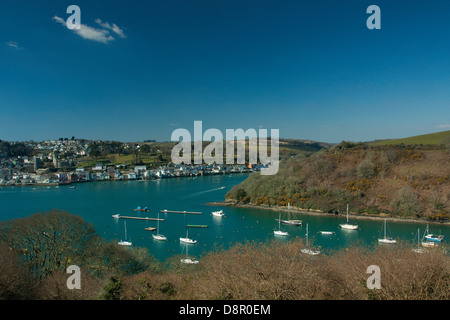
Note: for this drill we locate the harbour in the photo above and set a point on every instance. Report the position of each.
(181, 204)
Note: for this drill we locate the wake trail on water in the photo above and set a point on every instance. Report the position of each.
(195, 194)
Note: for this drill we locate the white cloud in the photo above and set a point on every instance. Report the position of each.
(115, 28)
(87, 32)
(444, 126)
(13, 44)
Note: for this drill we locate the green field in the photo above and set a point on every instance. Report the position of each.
(437, 138)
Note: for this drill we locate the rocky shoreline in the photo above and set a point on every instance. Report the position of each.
(318, 212)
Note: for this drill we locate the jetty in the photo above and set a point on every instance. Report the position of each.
(186, 212)
(140, 218)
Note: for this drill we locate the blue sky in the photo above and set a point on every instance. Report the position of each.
(142, 69)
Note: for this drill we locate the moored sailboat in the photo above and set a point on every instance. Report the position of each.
(187, 239)
(279, 232)
(188, 260)
(158, 236)
(289, 221)
(385, 239)
(348, 226)
(308, 249)
(418, 249)
(125, 242)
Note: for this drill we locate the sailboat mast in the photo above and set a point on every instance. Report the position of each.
(157, 226)
(347, 212)
(307, 239)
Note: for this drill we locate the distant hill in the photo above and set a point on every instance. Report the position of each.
(437, 138)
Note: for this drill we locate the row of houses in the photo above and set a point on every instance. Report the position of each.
(101, 173)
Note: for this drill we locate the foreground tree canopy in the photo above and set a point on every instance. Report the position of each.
(35, 252)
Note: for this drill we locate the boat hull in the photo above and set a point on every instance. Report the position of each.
(159, 237)
(430, 244)
(125, 243)
(387, 241)
(310, 252)
(281, 233)
(188, 240)
(431, 237)
(218, 213)
(349, 226)
(189, 261)
(292, 222)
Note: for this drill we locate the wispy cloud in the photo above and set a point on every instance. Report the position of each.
(13, 44)
(115, 28)
(444, 126)
(94, 34)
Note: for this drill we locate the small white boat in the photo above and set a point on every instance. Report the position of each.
(347, 225)
(279, 232)
(218, 213)
(116, 216)
(292, 222)
(326, 232)
(386, 239)
(419, 249)
(308, 250)
(289, 221)
(189, 261)
(125, 242)
(187, 239)
(158, 236)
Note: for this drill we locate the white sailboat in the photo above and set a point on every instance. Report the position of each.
(385, 239)
(290, 221)
(348, 226)
(187, 239)
(279, 232)
(125, 242)
(158, 236)
(188, 260)
(309, 250)
(419, 249)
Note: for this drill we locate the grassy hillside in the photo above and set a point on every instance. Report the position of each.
(396, 180)
(437, 138)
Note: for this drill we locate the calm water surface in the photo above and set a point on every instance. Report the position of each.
(96, 202)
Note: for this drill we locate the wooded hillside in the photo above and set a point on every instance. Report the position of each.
(410, 181)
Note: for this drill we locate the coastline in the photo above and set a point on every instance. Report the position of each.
(318, 212)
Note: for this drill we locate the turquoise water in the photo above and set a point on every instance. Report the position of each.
(96, 202)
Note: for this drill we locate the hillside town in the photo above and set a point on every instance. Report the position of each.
(70, 161)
